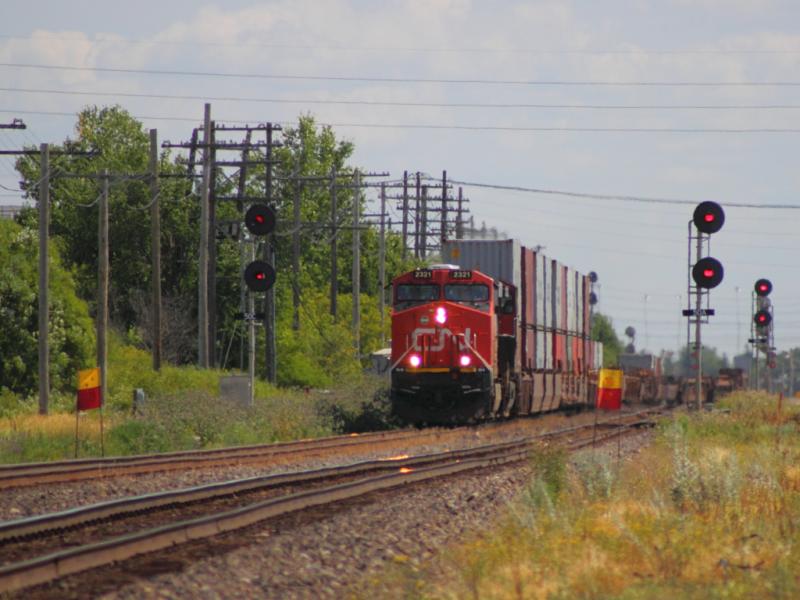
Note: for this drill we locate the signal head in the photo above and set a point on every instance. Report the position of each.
(259, 276)
(707, 273)
(708, 217)
(762, 318)
(763, 287)
(260, 219)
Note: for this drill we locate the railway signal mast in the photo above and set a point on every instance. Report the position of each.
(707, 273)
(761, 328)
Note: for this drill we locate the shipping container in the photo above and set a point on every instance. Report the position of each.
(541, 351)
(499, 259)
(572, 322)
(527, 309)
(541, 295)
(547, 297)
(569, 353)
(564, 297)
(556, 284)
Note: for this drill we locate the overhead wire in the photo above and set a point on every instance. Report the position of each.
(404, 104)
(404, 80)
(99, 39)
(620, 197)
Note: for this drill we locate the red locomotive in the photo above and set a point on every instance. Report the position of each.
(504, 331)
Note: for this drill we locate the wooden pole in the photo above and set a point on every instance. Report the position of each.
(202, 267)
(357, 263)
(296, 253)
(405, 214)
(212, 254)
(270, 348)
(44, 280)
(102, 300)
(382, 266)
(334, 249)
(155, 249)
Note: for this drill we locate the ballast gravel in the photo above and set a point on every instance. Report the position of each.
(28, 501)
(338, 552)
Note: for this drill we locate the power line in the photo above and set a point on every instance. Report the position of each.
(464, 127)
(373, 79)
(373, 48)
(502, 105)
(623, 198)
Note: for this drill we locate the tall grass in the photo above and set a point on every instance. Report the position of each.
(182, 411)
(710, 510)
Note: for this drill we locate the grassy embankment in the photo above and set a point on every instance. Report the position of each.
(182, 412)
(710, 510)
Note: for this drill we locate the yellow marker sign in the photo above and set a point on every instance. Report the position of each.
(89, 378)
(90, 396)
(610, 379)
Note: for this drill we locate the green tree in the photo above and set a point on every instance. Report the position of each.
(603, 331)
(121, 146)
(70, 328)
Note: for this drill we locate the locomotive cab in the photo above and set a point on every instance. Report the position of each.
(443, 356)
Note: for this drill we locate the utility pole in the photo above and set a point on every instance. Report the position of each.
(405, 214)
(382, 265)
(443, 228)
(334, 249)
(417, 220)
(102, 290)
(202, 269)
(244, 256)
(251, 336)
(356, 263)
(44, 280)
(459, 216)
(212, 253)
(155, 249)
(270, 346)
(296, 253)
(424, 225)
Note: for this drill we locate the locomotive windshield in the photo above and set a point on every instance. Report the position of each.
(411, 294)
(476, 295)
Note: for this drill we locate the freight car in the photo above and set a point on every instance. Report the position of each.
(500, 330)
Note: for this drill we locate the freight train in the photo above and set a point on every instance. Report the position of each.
(499, 330)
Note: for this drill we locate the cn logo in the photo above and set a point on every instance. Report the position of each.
(442, 338)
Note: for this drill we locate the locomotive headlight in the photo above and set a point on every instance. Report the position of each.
(415, 360)
(441, 315)
(465, 360)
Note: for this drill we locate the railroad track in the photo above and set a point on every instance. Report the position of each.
(94, 536)
(30, 474)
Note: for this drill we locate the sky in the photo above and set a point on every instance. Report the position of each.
(683, 100)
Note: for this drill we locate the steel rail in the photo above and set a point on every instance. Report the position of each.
(30, 474)
(59, 564)
(27, 474)
(122, 507)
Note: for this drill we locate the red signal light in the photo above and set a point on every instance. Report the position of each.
(762, 318)
(708, 217)
(259, 276)
(763, 287)
(707, 272)
(260, 219)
